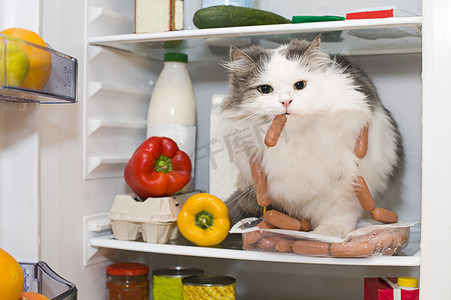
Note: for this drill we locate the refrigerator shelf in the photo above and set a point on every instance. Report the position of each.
(238, 254)
(98, 235)
(94, 125)
(350, 37)
(61, 85)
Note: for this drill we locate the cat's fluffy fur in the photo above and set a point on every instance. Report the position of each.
(312, 170)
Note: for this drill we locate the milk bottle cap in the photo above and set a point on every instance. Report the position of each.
(179, 57)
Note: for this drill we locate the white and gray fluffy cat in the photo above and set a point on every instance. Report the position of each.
(312, 170)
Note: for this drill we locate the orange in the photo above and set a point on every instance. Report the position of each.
(32, 296)
(11, 277)
(40, 60)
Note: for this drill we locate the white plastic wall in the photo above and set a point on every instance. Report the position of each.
(19, 154)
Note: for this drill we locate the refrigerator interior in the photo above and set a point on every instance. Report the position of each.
(84, 146)
(118, 83)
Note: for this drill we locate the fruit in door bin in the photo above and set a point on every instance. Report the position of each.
(40, 60)
(32, 296)
(11, 277)
(14, 63)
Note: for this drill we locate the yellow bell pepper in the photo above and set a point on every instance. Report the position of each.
(204, 220)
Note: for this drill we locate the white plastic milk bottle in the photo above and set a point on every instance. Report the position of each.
(172, 107)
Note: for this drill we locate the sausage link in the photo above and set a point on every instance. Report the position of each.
(401, 238)
(311, 248)
(281, 220)
(267, 243)
(261, 185)
(284, 245)
(353, 248)
(384, 215)
(361, 146)
(305, 225)
(252, 237)
(274, 131)
(383, 242)
(364, 195)
(389, 241)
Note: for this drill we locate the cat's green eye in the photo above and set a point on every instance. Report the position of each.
(299, 85)
(265, 89)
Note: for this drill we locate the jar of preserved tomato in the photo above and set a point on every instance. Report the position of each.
(127, 281)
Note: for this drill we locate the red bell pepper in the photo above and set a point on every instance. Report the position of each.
(158, 168)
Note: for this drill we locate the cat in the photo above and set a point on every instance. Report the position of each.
(312, 170)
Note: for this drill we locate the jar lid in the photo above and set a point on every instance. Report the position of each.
(406, 281)
(177, 272)
(127, 269)
(180, 57)
(208, 280)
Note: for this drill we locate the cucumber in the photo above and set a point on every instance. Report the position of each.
(231, 16)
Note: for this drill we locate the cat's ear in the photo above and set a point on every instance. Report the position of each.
(237, 54)
(315, 46)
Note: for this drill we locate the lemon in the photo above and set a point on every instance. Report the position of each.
(15, 64)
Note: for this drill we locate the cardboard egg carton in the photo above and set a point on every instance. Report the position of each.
(155, 219)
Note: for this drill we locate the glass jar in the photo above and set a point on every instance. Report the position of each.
(208, 287)
(167, 283)
(127, 281)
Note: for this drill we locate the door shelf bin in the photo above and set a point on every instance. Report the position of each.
(40, 278)
(61, 85)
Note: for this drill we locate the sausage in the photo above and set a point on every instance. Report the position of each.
(353, 248)
(267, 243)
(284, 245)
(305, 225)
(364, 195)
(261, 185)
(389, 241)
(383, 242)
(361, 146)
(274, 131)
(384, 215)
(401, 238)
(281, 220)
(252, 237)
(311, 248)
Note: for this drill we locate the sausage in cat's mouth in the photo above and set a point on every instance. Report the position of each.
(274, 131)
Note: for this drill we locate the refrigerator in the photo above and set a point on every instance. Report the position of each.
(62, 163)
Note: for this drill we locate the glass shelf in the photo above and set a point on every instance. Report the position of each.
(350, 37)
(56, 80)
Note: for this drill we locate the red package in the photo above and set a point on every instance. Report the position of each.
(371, 14)
(392, 288)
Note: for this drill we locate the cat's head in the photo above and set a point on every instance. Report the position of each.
(297, 78)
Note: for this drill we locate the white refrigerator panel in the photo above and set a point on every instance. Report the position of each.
(74, 153)
(19, 154)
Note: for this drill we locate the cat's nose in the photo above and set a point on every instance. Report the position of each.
(286, 103)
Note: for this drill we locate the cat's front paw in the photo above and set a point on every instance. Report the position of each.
(332, 230)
